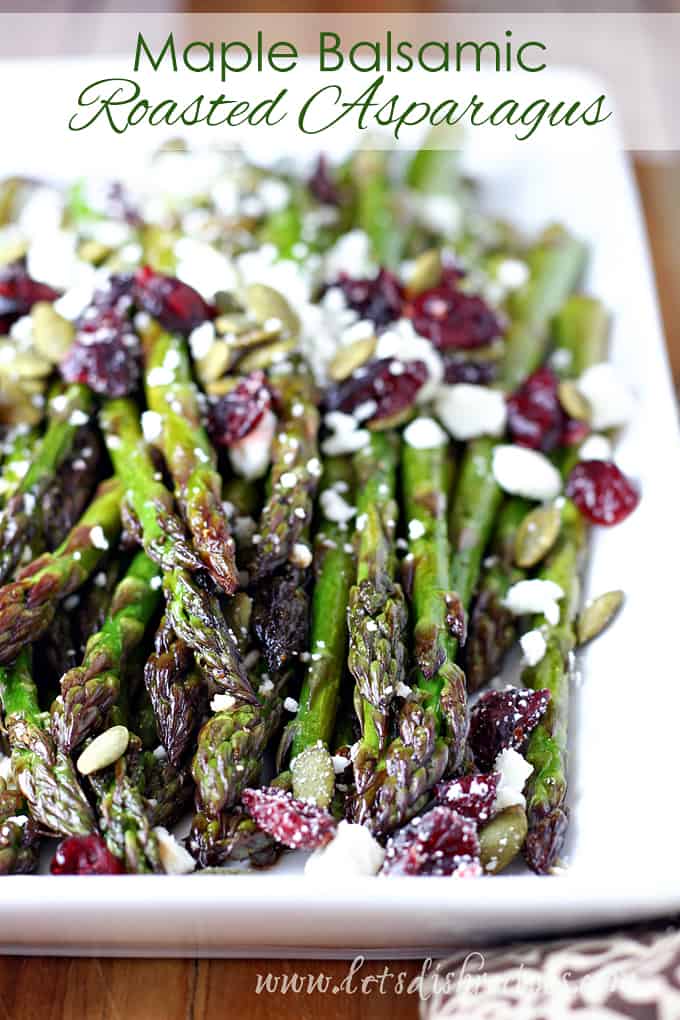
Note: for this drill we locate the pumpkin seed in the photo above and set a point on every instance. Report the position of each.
(392, 421)
(52, 333)
(219, 387)
(94, 252)
(597, 615)
(26, 365)
(12, 250)
(233, 323)
(215, 363)
(537, 535)
(501, 839)
(426, 272)
(573, 401)
(313, 776)
(350, 357)
(108, 747)
(266, 305)
(264, 357)
(226, 303)
(16, 407)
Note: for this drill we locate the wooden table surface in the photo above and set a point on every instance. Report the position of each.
(73, 989)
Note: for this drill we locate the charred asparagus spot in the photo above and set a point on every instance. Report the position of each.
(28, 605)
(294, 475)
(91, 689)
(44, 774)
(22, 517)
(189, 455)
(175, 687)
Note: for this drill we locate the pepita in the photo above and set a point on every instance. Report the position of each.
(94, 252)
(215, 363)
(52, 333)
(501, 839)
(573, 401)
(537, 535)
(108, 747)
(350, 357)
(426, 272)
(26, 365)
(219, 387)
(597, 615)
(392, 421)
(263, 357)
(266, 305)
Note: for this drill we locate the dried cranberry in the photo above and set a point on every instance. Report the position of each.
(19, 292)
(460, 369)
(504, 719)
(379, 299)
(438, 843)
(602, 492)
(297, 824)
(390, 384)
(472, 796)
(535, 415)
(85, 855)
(574, 432)
(238, 412)
(322, 185)
(177, 307)
(452, 319)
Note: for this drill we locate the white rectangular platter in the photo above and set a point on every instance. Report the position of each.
(622, 854)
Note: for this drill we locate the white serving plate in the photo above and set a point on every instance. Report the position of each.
(625, 823)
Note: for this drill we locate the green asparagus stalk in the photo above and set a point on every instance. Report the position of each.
(19, 449)
(189, 455)
(19, 840)
(73, 485)
(195, 613)
(28, 605)
(232, 836)
(294, 475)
(44, 774)
(376, 611)
(376, 212)
(174, 687)
(125, 815)
(21, 518)
(91, 689)
(334, 567)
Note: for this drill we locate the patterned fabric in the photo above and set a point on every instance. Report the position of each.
(628, 974)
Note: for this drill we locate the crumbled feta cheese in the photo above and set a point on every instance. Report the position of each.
(335, 508)
(340, 763)
(98, 538)
(160, 376)
(596, 447)
(78, 417)
(512, 273)
(468, 411)
(442, 214)
(611, 403)
(301, 555)
(274, 194)
(365, 410)
(416, 530)
(314, 467)
(352, 853)
(424, 434)
(152, 425)
(560, 359)
(250, 456)
(156, 582)
(533, 646)
(222, 702)
(524, 472)
(201, 266)
(266, 687)
(201, 339)
(535, 596)
(174, 858)
(288, 480)
(403, 690)
(514, 770)
(346, 436)
(5, 767)
(350, 254)
(290, 705)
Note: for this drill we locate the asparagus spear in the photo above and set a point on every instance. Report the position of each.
(44, 774)
(19, 450)
(174, 687)
(72, 488)
(21, 517)
(89, 690)
(376, 213)
(194, 612)
(232, 836)
(19, 838)
(334, 567)
(376, 611)
(294, 475)
(189, 455)
(28, 605)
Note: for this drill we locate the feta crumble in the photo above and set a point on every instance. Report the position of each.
(533, 646)
(416, 530)
(98, 538)
(174, 858)
(611, 403)
(335, 508)
(250, 456)
(301, 555)
(535, 596)
(152, 425)
(524, 472)
(424, 434)
(596, 447)
(222, 702)
(352, 853)
(468, 411)
(514, 770)
(290, 705)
